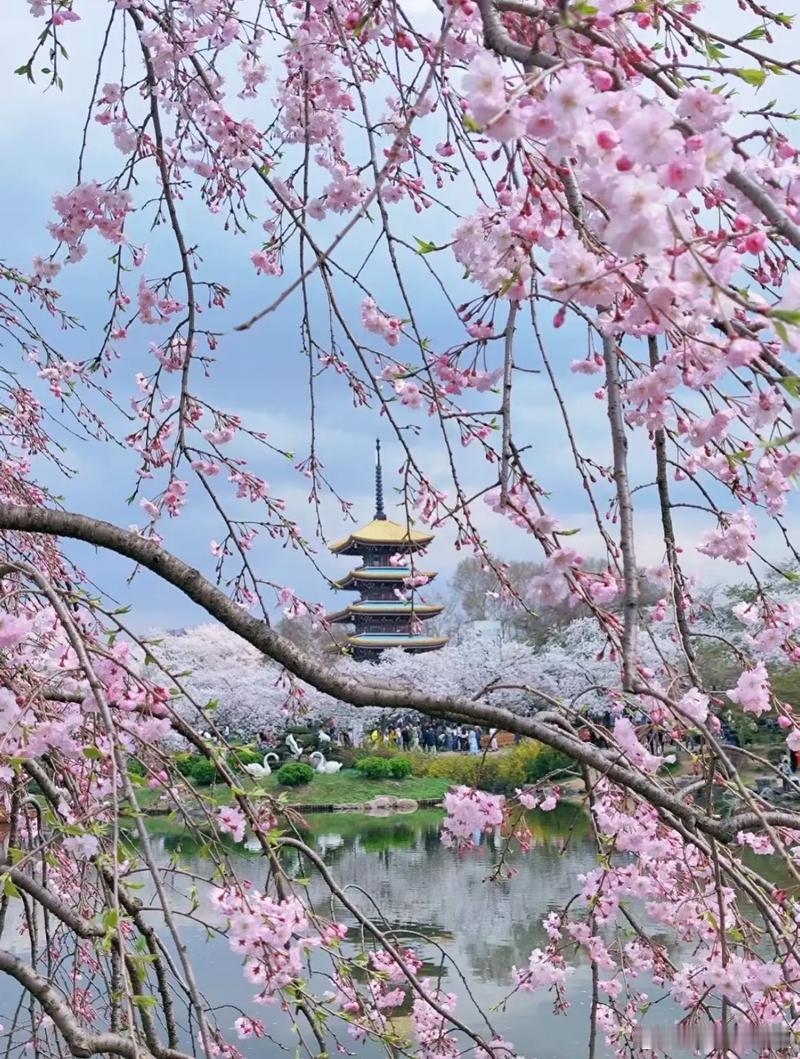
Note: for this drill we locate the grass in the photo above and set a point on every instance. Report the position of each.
(350, 787)
(342, 788)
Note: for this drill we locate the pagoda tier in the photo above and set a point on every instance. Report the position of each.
(403, 608)
(382, 533)
(387, 576)
(380, 617)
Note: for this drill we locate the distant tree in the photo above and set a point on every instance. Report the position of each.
(494, 589)
(309, 634)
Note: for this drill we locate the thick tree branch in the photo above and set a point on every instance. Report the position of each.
(191, 582)
(497, 39)
(79, 1041)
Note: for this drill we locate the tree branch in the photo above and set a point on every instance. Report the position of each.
(80, 1042)
(629, 572)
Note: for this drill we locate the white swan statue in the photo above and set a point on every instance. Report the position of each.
(259, 772)
(294, 747)
(323, 766)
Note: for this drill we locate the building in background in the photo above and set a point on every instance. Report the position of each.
(387, 612)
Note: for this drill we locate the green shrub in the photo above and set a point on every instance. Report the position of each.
(185, 763)
(502, 772)
(545, 762)
(507, 772)
(399, 768)
(374, 768)
(204, 772)
(385, 750)
(246, 756)
(458, 768)
(294, 774)
(420, 762)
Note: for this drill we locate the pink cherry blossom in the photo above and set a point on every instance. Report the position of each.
(752, 691)
(13, 629)
(469, 811)
(625, 736)
(231, 822)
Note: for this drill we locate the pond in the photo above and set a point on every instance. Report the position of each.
(435, 899)
(438, 901)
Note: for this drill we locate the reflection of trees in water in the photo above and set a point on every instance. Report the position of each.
(377, 840)
(493, 963)
(405, 934)
(425, 890)
(422, 886)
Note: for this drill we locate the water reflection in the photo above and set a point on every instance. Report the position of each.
(436, 899)
(430, 897)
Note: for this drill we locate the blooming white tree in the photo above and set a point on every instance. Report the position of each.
(248, 694)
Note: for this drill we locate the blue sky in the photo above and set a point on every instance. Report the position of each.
(261, 374)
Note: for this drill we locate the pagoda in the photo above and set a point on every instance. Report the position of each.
(381, 617)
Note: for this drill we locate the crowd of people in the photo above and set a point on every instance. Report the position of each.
(408, 733)
(433, 738)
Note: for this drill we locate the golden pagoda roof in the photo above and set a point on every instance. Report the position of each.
(382, 531)
(381, 573)
(387, 606)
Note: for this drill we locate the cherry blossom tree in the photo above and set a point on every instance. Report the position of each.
(459, 206)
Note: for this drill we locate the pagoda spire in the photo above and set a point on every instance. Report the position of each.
(379, 511)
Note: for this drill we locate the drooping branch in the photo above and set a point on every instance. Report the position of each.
(668, 531)
(630, 574)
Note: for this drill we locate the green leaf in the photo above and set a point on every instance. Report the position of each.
(111, 919)
(791, 384)
(470, 124)
(791, 575)
(756, 34)
(755, 77)
(9, 889)
(424, 247)
(782, 333)
(587, 10)
(566, 533)
(786, 316)
(93, 753)
(779, 442)
(144, 1001)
